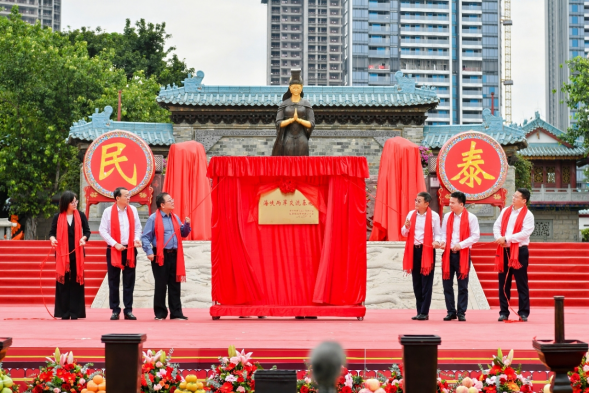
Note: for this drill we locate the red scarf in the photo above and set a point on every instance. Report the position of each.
(514, 248)
(427, 255)
(464, 252)
(62, 257)
(115, 233)
(159, 240)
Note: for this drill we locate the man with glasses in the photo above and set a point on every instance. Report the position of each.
(165, 230)
(512, 232)
(422, 229)
(120, 228)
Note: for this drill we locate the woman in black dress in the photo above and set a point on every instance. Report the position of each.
(295, 120)
(69, 234)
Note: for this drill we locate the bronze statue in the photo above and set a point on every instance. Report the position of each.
(295, 120)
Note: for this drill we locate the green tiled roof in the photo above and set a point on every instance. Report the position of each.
(194, 93)
(537, 122)
(155, 134)
(492, 125)
(551, 150)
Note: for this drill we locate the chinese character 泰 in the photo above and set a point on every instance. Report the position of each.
(470, 167)
(304, 202)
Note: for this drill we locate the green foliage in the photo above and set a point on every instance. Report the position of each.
(585, 235)
(577, 99)
(523, 173)
(138, 99)
(46, 82)
(139, 48)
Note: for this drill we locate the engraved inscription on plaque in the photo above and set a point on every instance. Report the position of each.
(277, 208)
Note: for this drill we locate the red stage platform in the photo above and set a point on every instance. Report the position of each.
(372, 343)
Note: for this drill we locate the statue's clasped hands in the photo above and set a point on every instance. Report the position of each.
(296, 118)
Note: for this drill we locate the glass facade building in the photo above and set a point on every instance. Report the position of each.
(48, 12)
(565, 39)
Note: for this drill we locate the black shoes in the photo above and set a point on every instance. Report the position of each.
(415, 317)
(525, 319)
(461, 318)
(422, 317)
(159, 319)
(182, 318)
(130, 316)
(114, 316)
(503, 318)
(450, 317)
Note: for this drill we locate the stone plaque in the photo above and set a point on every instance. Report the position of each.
(277, 208)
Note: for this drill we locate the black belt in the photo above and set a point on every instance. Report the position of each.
(417, 245)
(170, 250)
(455, 252)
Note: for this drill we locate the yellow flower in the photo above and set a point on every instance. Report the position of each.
(512, 386)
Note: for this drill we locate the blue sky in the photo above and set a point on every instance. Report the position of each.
(227, 39)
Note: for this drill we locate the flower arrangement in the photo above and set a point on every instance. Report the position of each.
(580, 376)
(62, 374)
(442, 386)
(498, 377)
(425, 153)
(7, 385)
(348, 383)
(158, 374)
(235, 373)
(287, 186)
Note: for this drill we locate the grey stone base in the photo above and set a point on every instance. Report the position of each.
(387, 287)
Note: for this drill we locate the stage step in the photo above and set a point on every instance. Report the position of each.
(555, 269)
(20, 267)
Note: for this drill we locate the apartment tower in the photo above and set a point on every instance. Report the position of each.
(565, 39)
(306, 34)
(46, 11)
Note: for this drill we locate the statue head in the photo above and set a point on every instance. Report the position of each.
(327, 361)
(295, 85)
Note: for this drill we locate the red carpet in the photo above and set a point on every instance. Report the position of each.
(371, 344)
(554, 269)
(20, 264)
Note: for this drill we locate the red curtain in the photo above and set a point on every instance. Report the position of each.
(186, 181)
(400, 178)
(289, 265)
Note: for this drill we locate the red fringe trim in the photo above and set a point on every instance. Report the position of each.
(180, 278)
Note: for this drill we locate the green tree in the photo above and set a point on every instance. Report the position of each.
(577, 99)
(523, 172)
(46, 82)
(138, 99)
(139, 48)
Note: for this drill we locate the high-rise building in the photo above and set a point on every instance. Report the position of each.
(48, 12)
(306, 34)
(454, 45)
(565, 39)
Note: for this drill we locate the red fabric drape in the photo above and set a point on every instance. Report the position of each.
(187, 183)
(400, 178)
(289, 265)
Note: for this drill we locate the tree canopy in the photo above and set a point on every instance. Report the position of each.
(577, 99)
(47, 81)
(139, 48)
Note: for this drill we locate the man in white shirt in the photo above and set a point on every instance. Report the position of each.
(121, 237)
(460, 230)
(512, 232)
(420, 245)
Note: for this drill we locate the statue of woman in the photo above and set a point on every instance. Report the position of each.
(295, 120)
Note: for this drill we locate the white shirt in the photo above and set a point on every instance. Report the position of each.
(523, 236)
(475, 232)
(420, 226)
(123, 222)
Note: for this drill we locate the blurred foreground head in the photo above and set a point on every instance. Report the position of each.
(327, 361)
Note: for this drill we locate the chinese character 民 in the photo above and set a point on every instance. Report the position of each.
(470, 167)
(114, 158)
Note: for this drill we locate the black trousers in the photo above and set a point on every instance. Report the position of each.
(462, 287)
(422, 285)
(521, 281)
(114, 280)
(165, 280)
(69, 296)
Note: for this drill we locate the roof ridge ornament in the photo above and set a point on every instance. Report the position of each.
(405, 83)
(193, 84)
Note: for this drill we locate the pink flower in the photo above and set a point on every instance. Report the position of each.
(157, 386)
(82, 381)
(307, 380)
(241, 357)
(159, 365)
(478, 385)
(586, 368)
(56, 390)
(241, 389)
(230, 378)
(349, 381)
